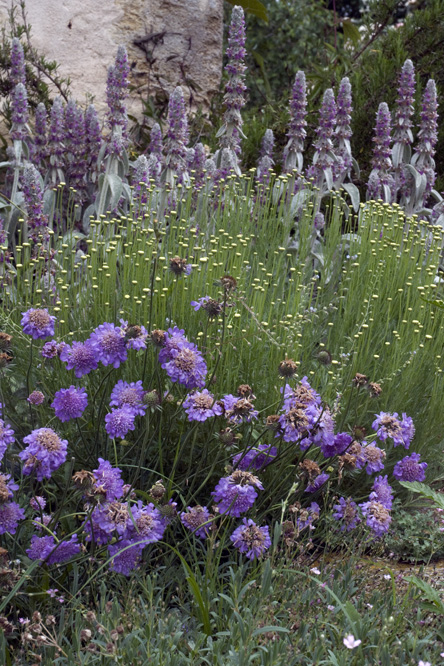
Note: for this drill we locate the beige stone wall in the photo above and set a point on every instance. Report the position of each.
(170, 42)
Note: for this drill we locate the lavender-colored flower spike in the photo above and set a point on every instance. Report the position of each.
(33, 195)
(17, 73)
(198, 165)
(231, 131)
(176, 139)
(19, 113)
(117, 89)
(56, 136)
(427, 137)
(266, 161)
(40, 130)
(144, 169)
(155, 146)
(93, 135)
(323, 159)
(380, 183)
(76, 143)
(402, 128)
(343, 131)
(293, 151)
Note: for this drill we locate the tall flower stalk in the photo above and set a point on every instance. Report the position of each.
(424, 151)
(56, 146)
(402, 131)
(40, 135)
(321, 169)
(380, 183)
(176, 140)
(343, 132)
(17, 72)
(37, 221)
(266, 161)
(293, 152)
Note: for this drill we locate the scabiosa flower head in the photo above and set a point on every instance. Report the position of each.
(389, 425)
(200, 303)
(7, 487)
(148, 525)
(82, 357)
(50, 349)
(187, 367)
(238, 410)
(382, 492)
(10, 515)
(308, 516)
(250, 539)
(318, 482)
(6, 437)
(179, 266)
(19, 112)
(109, 480)
(126, 556)
(201, 406)
(38, 323)
(135, 335)
(335, 446)
(255, 458)
(109, 341)
(303, 394)
(381, 183)
(44, 454)
(194, 518)
(171, 340)
(120, 421)
(70, 403)
(371, 457)
(377, 516)
(37, 503)
(36, 398)
(17, 72)
(296, 134)
(235, 494)
(129, 394)
(347, 512)
(46, 548)
(410, 469)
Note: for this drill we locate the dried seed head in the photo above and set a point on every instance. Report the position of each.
(158, 337)
(360, 380)
(5, 360)
(359, 433)
(178, 266)
(83, 479)
(324, 357)
(272, 422)
(309, 469)
(227, 437)
(287, 368)
(157, 491)
(5, 341)
(213, 308)
(228, 282)
(374, 389)
(245, 391)
(151, 398)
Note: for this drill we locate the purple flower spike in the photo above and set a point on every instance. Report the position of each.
(129, 394)
(323, 159)
(201, 406)
(410, 469)
(402, 125)
(155, 146)
(40, 134)
(38, 323)
(117, 90)
(109, 341)
(17, 73)
(82, 357)
(381, 182)
(382, 492)
(251, 539)
(427, 138)
(70, 403)
(19, 113)
(119, 422)
(198, 165)
(109, 480)
(293, 151)
(343, 131)
(93, 135)
(235, 494)
(176, 139)
(377, 516)
(194, 520)
(10, 515)
(44, 454)
(266, 161)
(56, 136)
(33, 195)
(347, 512)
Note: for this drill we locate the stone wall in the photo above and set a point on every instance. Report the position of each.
(169, 42)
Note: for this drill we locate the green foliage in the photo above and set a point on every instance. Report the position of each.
(415, 535)
(253, 6)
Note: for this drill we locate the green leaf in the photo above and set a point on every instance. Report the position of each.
(253, 6)
(351, 32)
(424, 490)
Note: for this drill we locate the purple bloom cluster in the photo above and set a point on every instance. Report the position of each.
(19, 113)
(235, 494)
(120, 421)
(250, 539)
(108, 480)
(33, 195)
(117, 89)
(52, 348)
(323, 159)
(255, 458)
(109, 343)
(7, 437)
(81, 357)
(198, 165)
(36, 398)
(347, 512)
(382, 492)
(135, 336)
(56, 135)
(308, 516)
(182, 360)
(17, 72)
(401, 431)
(305, 421)
(335, 446)
(293, 151)
(194, 519)
(70, 403)
(40, 135)
(381, 182)
(201, 405)
(410, 469)
(176, 139)
(46, 548)
(38, 323)
(129, 395)
(10, 515)
(371, 457)
(427, 138)
(317, 483)
(343, 131)
(377, 516)
(238, 409)
(266, 161)
(44, 454)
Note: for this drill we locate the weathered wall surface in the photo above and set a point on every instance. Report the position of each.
(170, 42)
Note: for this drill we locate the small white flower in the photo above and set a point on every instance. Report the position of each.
(387, 576)
(369, 606)
(315, 570)
(330, 607)
(351, 642)
(425, 663)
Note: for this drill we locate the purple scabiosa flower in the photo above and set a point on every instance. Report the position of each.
(135, 335)
(120, 421)
(194, 519)
(98, 528)
(126, 556)
(109, 480)
(371, 457)
(323, 159)
(235, 494)
(303, 394)
(389, 425)
(44, 454)
(382, 492)
(17, 73)
(173, 340)
(52, 552)
(148, 525)
(41, 522)
(255, 458)
(176, 140)
(335, 446)
(36, 398)
(19, 113)
(347, 512)
(293, 151)
(201, 406)
(109, 341)
(410, 469)
(231, 130)
(93, 136)
(200, 303)
(6, 437)
(56, 134)
(308, 516)
(7, 487)
(40, 134)
(250, 539)
(187, 367)
(33, 195)
(129, 394)
(427, 138)
(70, 403)
(238, 409)
(381, 182)
(38, 323)
(10, 515)
(377, 516)
(168, 512)
(343, 131)
(52, 348)
(37, 503)
(318, 482)
(82, 357)
(266, 162)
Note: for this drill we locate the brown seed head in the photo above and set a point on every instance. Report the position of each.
(287, 368)
(158, 337)
(309, 469)
(360, 380)
(5, 341)
(178, 266)
(374, 389)
(245, 391)
(5, 360)
(228, 282)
